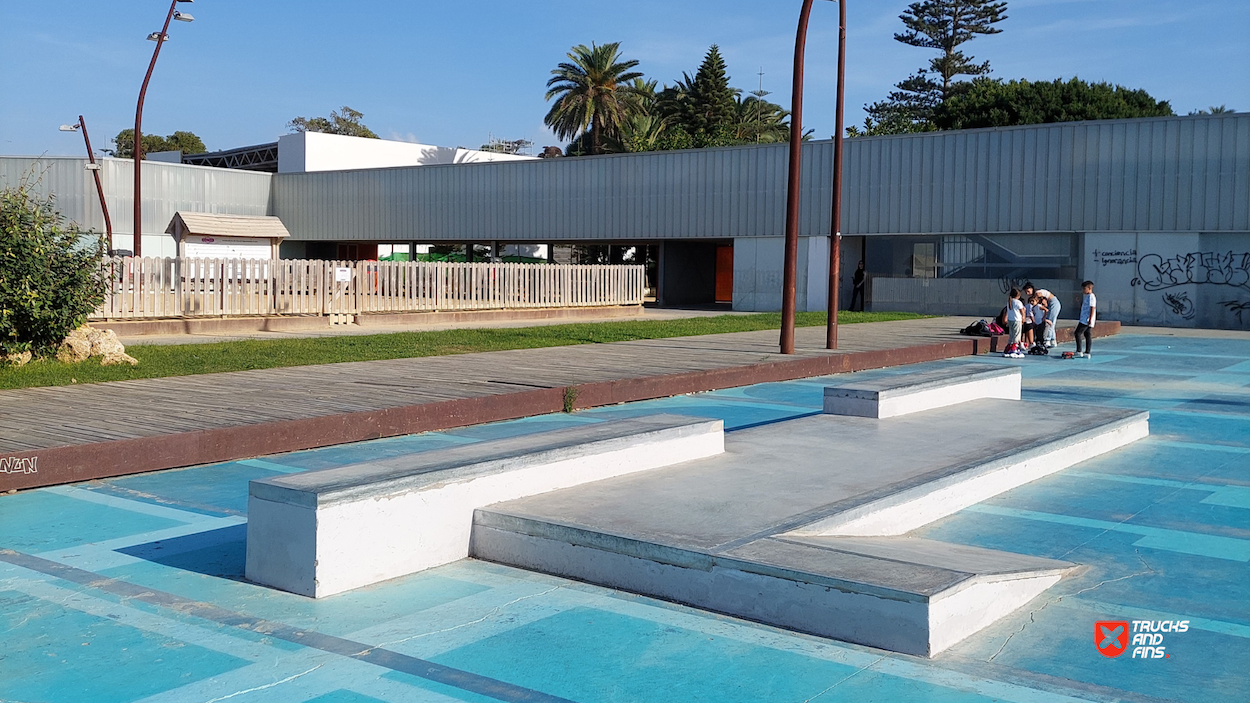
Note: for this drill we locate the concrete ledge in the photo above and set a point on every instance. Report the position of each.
(892, 596)
(903, 394)
(297, 323)
(319, 533)
(908, 507)
(1063, 335)
(451, 316)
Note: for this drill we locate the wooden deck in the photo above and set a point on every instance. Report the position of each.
(90, 431)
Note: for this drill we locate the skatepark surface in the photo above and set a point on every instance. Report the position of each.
(132, 588)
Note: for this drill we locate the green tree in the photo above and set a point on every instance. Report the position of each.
(759, 121)
(944, 25)
(996, 103)
(593, 91)
(1213, 110)
(711, 107)
(186, 142)
(348, 123)
(49, 281)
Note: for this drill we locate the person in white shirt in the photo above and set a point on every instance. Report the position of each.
(1089, 315)
(1015, 322)
(1052, 311)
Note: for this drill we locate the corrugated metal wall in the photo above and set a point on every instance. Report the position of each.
(1167, 174)
(167, 188)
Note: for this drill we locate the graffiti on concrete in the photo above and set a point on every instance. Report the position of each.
(14, 465)
(1204, 268)
(1237, 307)
(1179, 304)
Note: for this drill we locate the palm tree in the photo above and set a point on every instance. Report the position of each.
(593, 91)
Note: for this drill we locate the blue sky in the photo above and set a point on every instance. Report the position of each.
(452, 73)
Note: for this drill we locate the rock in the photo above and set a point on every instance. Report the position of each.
(16, 359)
(76, 347)
(86, 342)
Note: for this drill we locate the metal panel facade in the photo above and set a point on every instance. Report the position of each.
(1164, 174)
(167, 188)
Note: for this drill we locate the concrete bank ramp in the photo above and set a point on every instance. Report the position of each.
(802, 524)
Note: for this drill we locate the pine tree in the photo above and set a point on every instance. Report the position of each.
(712, 106)
(943, 25)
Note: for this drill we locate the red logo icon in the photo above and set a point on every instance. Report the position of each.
(1111, 637)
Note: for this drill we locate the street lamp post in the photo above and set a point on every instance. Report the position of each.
(95, 171)
(835, 227)
(790, 272)
(160, 38)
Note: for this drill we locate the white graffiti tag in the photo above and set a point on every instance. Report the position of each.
(1207, 267)
(15, 465)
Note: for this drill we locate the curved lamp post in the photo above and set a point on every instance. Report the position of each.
(95, 171)
(160, 38)
(790, 273)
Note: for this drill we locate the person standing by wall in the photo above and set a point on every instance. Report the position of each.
(857, 289)
(1089, 314)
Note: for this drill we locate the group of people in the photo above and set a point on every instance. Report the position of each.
(1031, 315)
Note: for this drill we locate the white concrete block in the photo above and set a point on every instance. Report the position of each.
(894, 396)
(325, 532)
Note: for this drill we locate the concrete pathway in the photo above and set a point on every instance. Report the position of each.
(80, 432)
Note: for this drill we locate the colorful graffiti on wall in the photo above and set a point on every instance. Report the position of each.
(1210, 268)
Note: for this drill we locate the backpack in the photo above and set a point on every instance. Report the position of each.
(980, 328)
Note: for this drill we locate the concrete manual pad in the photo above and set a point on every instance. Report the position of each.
(798, 524)
(903, 394)
(323, 532)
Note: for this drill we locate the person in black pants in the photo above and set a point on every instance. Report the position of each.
(857, 289)
(1089, 315)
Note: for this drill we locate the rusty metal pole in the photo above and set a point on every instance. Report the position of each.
(99, 186)
(790, 273)
(138, 143)
(835, 227)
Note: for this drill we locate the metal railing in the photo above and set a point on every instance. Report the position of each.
(152, 287)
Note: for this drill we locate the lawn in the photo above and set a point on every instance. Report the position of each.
(188, 359)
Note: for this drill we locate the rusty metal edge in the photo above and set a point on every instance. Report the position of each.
(84, 462)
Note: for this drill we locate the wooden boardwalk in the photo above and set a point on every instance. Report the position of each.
(89, 431)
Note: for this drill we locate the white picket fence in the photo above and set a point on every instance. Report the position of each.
(150, 287)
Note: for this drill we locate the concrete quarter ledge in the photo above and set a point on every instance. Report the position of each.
(902, 394)
(803, 524)
(319, 533)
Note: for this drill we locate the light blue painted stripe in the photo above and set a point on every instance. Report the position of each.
(1243, 367)
(1214, 546)
(134, 506)
(271, 466)
(1221, 494)
(1230, 496)
(1167, 483)
(1200, 446)
(1134, 613)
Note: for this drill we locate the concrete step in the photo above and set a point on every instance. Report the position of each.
(903, 394)
(894, 593)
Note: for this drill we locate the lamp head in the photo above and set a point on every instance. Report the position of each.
(183, 17)
(156, 36)
(69, 128)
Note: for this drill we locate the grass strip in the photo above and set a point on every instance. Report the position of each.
(156, 361)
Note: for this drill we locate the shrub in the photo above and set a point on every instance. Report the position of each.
(51, 276)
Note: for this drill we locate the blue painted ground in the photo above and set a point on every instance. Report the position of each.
(131, 589)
